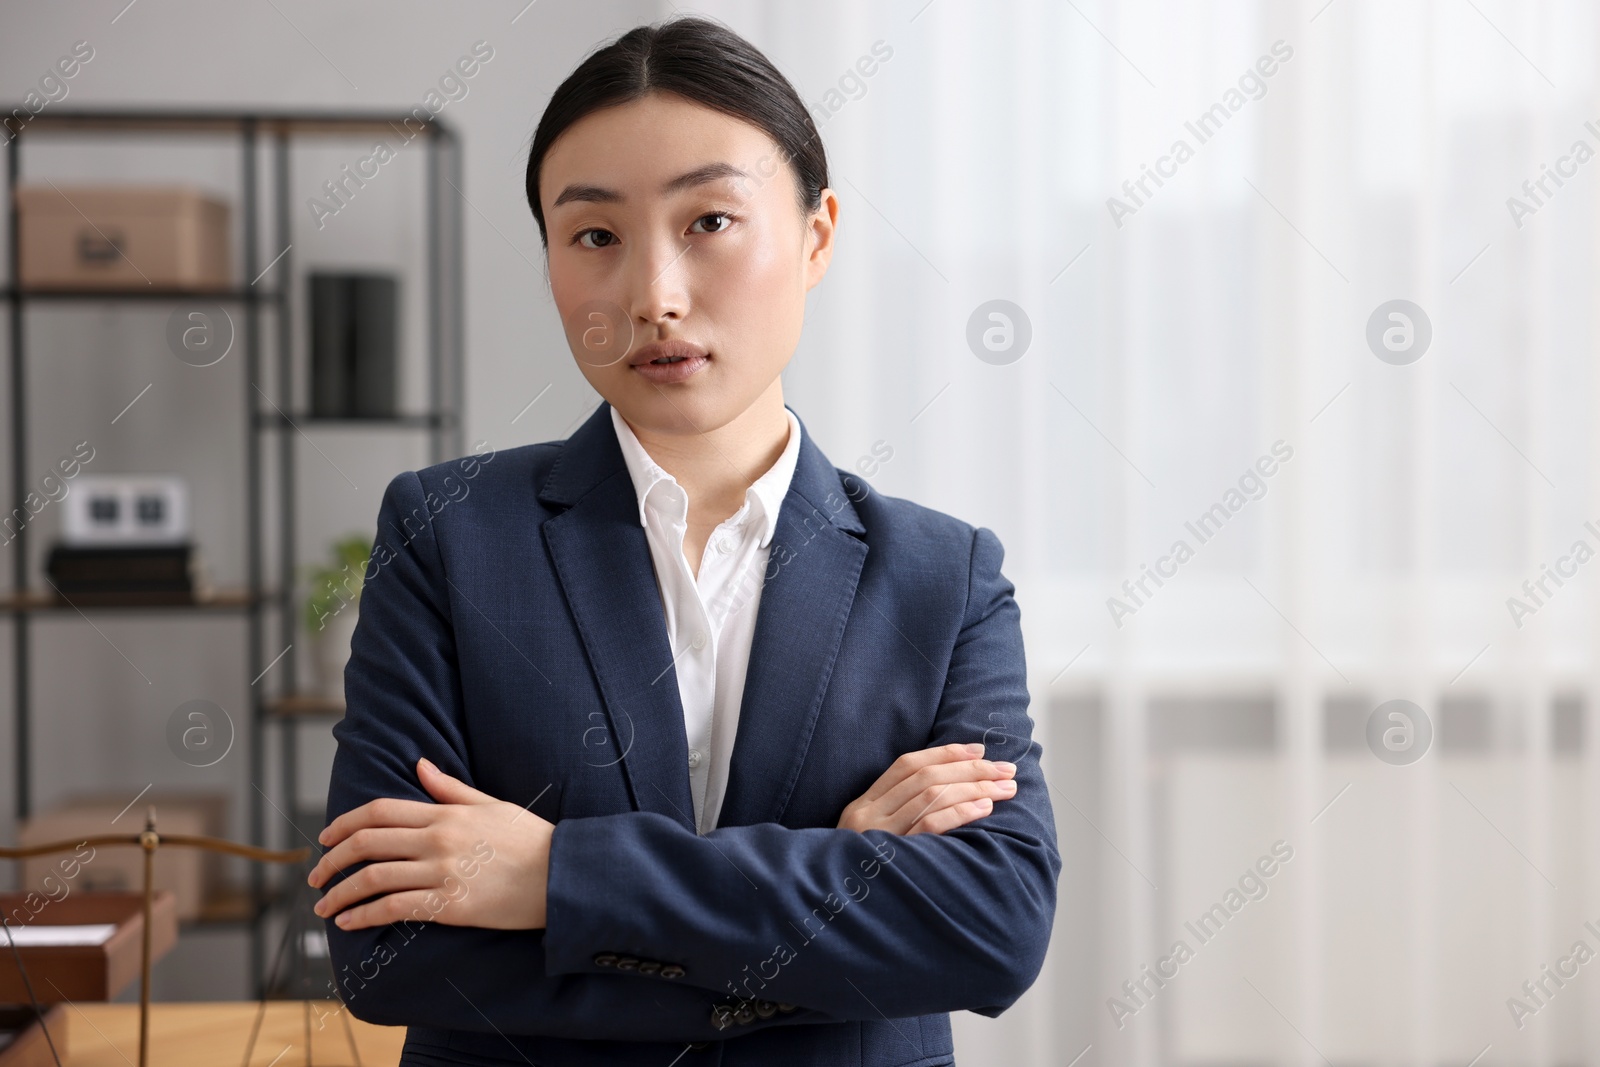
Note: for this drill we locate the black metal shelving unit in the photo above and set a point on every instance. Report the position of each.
(263, 425)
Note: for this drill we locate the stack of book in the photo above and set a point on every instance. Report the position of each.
(128, 574)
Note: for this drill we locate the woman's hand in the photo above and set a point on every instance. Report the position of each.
(469, 860)
(932, 790)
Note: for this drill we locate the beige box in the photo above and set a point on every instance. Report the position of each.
(122, 236)
(193, 874)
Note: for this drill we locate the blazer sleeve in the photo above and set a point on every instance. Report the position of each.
(853, 925)
(404, 701)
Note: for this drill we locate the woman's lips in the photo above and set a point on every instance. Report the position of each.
(676, 371)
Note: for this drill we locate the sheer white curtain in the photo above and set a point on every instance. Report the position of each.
(1343, 155)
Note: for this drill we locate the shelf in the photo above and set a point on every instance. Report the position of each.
(421, 420)
(305, 706)
(266, 144)
(223, 600)
(59, 120)
(143, 292)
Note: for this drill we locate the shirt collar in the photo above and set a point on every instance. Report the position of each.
(764, 498)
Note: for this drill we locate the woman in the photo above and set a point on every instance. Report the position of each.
(665, 740)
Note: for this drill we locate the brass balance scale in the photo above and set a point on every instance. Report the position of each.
(149, 840)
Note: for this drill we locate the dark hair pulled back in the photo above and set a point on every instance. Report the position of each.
(702, 61)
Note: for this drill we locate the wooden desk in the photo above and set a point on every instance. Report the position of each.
(209, 1033)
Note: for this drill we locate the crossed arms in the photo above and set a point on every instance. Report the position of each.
(913, 922)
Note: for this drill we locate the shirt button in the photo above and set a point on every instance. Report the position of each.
(700, 640)
(694, 757)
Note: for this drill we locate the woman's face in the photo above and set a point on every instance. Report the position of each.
(656, 236)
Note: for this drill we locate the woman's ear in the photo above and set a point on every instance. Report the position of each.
(821, 226)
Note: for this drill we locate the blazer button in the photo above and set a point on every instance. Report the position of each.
(627, 963)
(785, 1008)
(745, 1014)
(766, 1009)
(649, 966)
(672, 970)
(605, 959)
(721, 1017)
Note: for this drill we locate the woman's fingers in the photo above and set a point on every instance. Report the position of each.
(944, 807)
(367, 843)
(377, 878)
(385, 811)
(946, 819)
(939, 774)
(912, 762)
(932, 790)
(420, 905)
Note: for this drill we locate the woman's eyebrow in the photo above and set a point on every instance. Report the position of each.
(701, 175)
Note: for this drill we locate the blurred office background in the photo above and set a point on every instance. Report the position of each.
(1341, 346)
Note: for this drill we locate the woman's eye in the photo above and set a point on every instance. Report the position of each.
(605, 238)
(598, 233)
(727, 219)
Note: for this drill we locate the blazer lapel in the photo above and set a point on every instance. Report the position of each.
(602, 560)
(813, 567)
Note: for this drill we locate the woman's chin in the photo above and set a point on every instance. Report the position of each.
(687, 408)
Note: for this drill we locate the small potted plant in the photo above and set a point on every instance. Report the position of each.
(330, 611)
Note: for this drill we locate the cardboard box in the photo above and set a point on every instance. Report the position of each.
(193, 874)
(115, 236)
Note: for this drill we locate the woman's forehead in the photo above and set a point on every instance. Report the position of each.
(658, 146)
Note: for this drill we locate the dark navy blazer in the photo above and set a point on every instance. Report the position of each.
(511, 630)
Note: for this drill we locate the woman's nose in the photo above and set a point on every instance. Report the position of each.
(658, 281)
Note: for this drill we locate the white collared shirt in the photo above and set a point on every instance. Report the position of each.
(711, 618)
